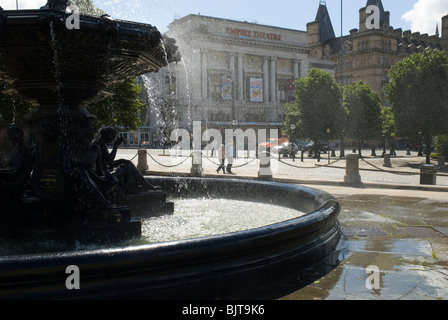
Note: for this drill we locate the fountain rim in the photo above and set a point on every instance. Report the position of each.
(329, 207)
(217, 266)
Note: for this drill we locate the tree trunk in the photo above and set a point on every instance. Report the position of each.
(428, 149)
(359, 148)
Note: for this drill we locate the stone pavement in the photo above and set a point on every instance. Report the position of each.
(392, 224)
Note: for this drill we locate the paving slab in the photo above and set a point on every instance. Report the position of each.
(392, 223)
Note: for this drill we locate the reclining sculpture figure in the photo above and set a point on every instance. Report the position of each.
(129, 178)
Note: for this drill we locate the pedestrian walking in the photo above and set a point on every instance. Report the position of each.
(229, 156)
(221, 158)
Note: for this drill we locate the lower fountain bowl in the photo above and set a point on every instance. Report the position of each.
(229, 266)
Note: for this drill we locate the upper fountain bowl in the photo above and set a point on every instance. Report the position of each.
(40, 58)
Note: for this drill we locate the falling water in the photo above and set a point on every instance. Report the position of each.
(187, 80)
(63, 123)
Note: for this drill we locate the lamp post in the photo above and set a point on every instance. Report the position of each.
(328, 138)
(384, 141)
(342, 155)
(235, 152)
(342, 44)
(420, 147)
(293, 128)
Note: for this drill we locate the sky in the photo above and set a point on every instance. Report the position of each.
(415, 15)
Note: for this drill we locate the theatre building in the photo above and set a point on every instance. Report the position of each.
(232, 73)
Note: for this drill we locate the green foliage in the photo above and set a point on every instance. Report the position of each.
(122, 109)
(388, 121)
(441, 144)
(418, 91)
(87, 7)
(418, 94)
(12, 108)
(364, 112)
(318, 107)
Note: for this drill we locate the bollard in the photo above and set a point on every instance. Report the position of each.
(265, 172)
(142, 165)
(196, 168)
(441, 161)
(428, 174)
(352, 176)
(387, 161)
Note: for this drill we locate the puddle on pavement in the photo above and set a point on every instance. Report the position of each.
(410, 266)
(407, 270)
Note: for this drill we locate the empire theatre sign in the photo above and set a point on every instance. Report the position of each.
(253, 34)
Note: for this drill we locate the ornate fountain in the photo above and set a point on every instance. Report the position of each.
(61, 71)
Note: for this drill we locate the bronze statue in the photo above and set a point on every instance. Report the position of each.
(129, 178)
(56, 4)
(15, 177)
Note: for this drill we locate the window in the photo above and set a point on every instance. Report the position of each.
(220, 87)
(254, 89)
(286, 91)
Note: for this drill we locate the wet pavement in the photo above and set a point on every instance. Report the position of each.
(405, 239)
(395, 231)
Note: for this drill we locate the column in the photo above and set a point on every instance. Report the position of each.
(273, 80)
(303, 68)
(232, 72)
(266, 80)
(240, 78)
(296, 69)
(204, 75)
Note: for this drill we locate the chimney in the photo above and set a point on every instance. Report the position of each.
(445, 27)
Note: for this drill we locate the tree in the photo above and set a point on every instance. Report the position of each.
(364, 112)
(318, 112)
(12, 108)
(418, 94)
(86, 6)
(122, 109)
(388, 123)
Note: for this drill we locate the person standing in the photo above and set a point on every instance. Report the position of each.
(221, 158)
(229, 156)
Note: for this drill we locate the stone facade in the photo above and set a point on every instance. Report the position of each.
(368, 54)
(240, 73)
(233, 71)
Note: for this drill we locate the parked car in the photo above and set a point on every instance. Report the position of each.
(302, 144)
(267, 145)
(321, 146)
(285, 149)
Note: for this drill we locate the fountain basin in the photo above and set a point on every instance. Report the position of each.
(229, 266)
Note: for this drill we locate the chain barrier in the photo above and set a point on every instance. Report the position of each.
(134, 157)
(167, 166)
(247, 163)
(316, 165)
(330, 164)
(235, 167)
(402, 173)
(294, 166)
